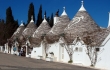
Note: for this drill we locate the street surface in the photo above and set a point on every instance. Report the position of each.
(13, 62)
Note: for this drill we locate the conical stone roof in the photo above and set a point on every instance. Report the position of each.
(18, 32)
(59, 27)
(82, 22)
(42, 30)
(96, 37)
(61, 24)
(29, 30)
(106, 33)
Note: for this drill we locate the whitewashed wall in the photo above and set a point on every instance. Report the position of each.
(6, 48)
(55, 49)
(64, 57)
(104, 55)
(16, 45)
(1, 48)
(79, 56)
(60, 53)
(12, 52)
(36, 52)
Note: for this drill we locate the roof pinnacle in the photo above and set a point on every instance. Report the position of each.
(64, 8)
(64, 12)
(44, 19)
(22, 23)
(44, 16)
(82, 7)
(109, 20)
(82, 2)
(32, 19)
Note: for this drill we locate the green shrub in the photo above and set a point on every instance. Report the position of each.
(46, 54)
(70, 61)
(52, 53)
(92, 65)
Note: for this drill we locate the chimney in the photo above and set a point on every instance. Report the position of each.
(109, 20)
(56, 18)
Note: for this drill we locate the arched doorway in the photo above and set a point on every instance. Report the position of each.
(23, 51)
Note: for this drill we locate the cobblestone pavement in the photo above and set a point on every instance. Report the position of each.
(13, 62)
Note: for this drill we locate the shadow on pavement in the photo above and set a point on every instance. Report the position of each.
(4, 67)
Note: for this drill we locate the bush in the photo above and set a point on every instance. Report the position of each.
(70, 61)
(46, 54)
(92, 65)
(52, 53)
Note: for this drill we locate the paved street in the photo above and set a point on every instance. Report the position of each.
(12, 62)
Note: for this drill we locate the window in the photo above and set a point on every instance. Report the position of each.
(76, 49)
(97, 49)
(80, 49)
(34, 51)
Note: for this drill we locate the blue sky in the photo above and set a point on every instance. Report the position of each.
(98, 9)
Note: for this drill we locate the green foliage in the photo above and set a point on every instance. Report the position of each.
(2, 32)
(46, 54)
(30, 13)
(48, 19)
(92, 65)
(51, 21)
(52, 53)
(9, 16)
(70, 61)
(39, 16)
(11, 24)
(7, 29)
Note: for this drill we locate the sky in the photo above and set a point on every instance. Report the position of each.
(98, 9)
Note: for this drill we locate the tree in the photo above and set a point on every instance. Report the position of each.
(39, 16)
(2, 32)
(91, 50)
(24, 24)
(51, 21)
(69, 48)
(31, 13)
(0, 20)
(9, 16)
(46, 46)
(8, 28)
(11, 25)
(48, 19)
(15, 25)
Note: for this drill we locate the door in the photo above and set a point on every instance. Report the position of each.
(61, 53)
(78, 55)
